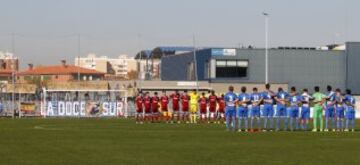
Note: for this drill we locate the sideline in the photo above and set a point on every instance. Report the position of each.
(46, 128)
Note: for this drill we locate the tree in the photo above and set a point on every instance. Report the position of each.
(37, 80)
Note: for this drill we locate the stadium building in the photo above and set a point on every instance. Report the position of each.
(300, 67)
(149, 61)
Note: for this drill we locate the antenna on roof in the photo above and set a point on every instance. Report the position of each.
(79, 44)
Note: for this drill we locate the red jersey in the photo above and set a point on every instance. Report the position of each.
(185, 102)
(147, 104)
(139, 104)
(212, 103)
(175, 101)
(164, 103)
(221, 105)
(155, 104)
(203, 105)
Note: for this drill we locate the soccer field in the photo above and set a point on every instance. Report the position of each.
(121, 141)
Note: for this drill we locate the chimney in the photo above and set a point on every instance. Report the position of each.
(31, 66)
(63, 63)
(2, 64)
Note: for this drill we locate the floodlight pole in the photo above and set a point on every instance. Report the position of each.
(126, 114)
(140, 58)
(44, 102)
(195, 65)
(266, 15)
(78, 48)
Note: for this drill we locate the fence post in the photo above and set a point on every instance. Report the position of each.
(126, 105)
(44, 102)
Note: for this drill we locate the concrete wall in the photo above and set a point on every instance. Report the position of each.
(203, 85)
(51, 78)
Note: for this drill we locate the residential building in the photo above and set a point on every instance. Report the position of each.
(123, 65)
(59, 73)
(9, 64)
(100, 64)
(113, 67)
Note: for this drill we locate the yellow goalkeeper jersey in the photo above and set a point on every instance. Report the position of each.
(194, 98)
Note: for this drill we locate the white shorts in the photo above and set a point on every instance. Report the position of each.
(156, 113)
(212, 114)
(222, 115)
(203, 115)
(185, 113)
(176, 113)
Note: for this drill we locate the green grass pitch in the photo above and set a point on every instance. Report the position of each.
(121, 141)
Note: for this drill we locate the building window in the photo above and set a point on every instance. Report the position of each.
(232, 68)
(190, 71)
(56, 77)
(221, 63)
(207, 70)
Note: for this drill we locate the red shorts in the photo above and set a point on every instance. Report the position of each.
(155, 111)
(139, 110)
(147, 111)
(203, 111)
(212, 109)
(176, 108)
(221, 111)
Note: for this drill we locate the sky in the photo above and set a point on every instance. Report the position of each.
(47, 31)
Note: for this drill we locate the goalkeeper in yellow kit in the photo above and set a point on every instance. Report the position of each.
(194, 100)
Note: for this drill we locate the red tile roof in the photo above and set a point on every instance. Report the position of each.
(59, 70)
(5, 72)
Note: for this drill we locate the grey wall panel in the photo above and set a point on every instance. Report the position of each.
(175, 67)
(353, 66)
(202, 56)
(307, 68)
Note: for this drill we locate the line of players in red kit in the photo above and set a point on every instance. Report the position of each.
(179, 108)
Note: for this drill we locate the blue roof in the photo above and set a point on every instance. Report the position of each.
(175, 48)
(147, 53)
(144, 53)
(158, 52)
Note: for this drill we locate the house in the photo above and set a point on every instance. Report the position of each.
(5, 75)
(59, 73)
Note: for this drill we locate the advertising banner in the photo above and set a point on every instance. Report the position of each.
(223, 52)
(28, 107)
(84, 109)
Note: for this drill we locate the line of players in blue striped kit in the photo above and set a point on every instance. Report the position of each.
(292, 108)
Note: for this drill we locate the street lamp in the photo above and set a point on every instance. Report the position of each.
(266, 15)
(13, 74)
